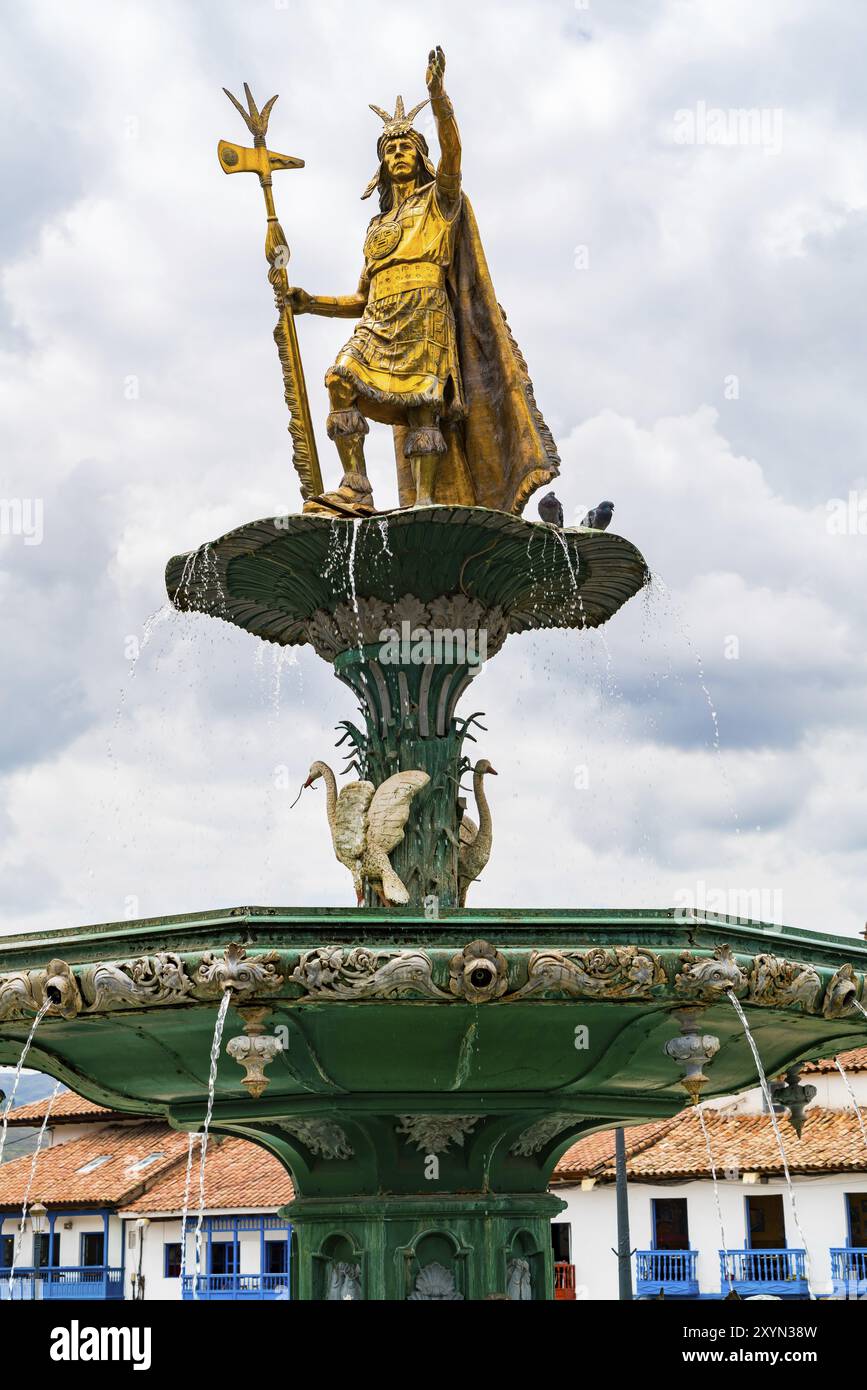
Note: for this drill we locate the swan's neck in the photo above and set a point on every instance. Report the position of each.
(330, 797)
(482, 803)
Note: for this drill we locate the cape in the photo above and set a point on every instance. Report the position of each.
(502, 451)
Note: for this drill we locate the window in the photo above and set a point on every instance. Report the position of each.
(223, 1257)
(670, 1224)
(42, 1255)
(92, 1248)
(94, 1163)
(856, 1211)
(7, 1251)
(766, 1223)
(145, 1162)
(172, 1258)
(276, 1257)
(561, 1239)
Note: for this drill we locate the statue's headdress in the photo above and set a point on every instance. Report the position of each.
(398, 124)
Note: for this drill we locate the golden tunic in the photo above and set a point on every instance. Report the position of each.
(404, 350)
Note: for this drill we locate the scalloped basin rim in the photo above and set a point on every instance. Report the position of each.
(270, 576)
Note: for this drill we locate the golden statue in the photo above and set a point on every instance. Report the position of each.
(432, 354)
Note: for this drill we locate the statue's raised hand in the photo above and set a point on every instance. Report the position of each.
(435, 75)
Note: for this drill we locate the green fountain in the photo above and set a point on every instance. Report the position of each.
(417, 1065)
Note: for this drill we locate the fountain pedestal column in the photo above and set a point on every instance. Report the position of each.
(424, 1247)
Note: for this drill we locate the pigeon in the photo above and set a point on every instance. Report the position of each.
(599, 517)
(551, 510)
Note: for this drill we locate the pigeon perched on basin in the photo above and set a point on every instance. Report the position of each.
(599, 517)
(551, 510)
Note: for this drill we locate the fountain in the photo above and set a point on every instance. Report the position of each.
(419, 1068)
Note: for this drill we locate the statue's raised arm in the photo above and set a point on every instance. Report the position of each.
(448, 180)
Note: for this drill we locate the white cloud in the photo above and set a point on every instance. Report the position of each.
(129, 255)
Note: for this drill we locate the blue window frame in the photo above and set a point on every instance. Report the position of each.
(7, 1251)
(276, 1257)
(46, 1249)
(92, 1248)
(856, 1218)
(670, 1223)
(223, 1257)
(172, 1259)
(766, 1222)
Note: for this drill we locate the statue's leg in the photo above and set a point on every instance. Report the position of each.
(423, 446)
(347, 427)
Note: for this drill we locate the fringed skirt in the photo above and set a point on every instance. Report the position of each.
(404, 353)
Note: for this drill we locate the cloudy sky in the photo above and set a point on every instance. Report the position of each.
(688, 288)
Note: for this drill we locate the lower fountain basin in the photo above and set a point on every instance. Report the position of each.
(566, 1011)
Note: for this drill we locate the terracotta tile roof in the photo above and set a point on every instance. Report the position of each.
(849, 1061)
(66, 1109)
(597, 1151)
(238, 1174)
(831, 1142)
(58, 1180)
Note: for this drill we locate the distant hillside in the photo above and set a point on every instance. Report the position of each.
(32, 1085)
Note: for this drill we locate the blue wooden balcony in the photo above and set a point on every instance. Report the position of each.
(62, 1282)
(779, 1272)
(849, 1271)
(236, 1286)
(672, 1272)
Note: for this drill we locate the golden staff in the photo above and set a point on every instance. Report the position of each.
(237, 159)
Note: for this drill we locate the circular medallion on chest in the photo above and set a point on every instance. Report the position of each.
(382, 240)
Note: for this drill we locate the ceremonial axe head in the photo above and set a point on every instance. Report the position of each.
(238, 159)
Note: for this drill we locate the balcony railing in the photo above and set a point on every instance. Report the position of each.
(564, 1280)
(72, 1281)
(849, 1271)
(672, 1272)
(237, 1286)
(781, 1272)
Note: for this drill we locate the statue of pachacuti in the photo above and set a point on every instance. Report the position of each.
(432, 354)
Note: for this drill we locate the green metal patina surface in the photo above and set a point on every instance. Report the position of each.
(420, 1120)
(361, 1070)
(156, 1057)
(287, 578)
(270, 576)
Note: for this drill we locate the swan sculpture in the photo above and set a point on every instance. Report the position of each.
(476, 840)
(366, 824)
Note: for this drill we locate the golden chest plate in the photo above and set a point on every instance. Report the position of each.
(382, 240)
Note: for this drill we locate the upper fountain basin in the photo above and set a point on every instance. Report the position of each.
(273, 577)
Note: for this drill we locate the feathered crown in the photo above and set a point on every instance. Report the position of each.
(398, 124)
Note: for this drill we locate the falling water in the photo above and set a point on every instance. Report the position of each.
(564, 546)
(353, 592)
(769, 1102)
(212, 1084)
(661, 588)
(860, 1007)
(852, 1101)
(716, 1197)
(185, 1213)
(10, 1101)
(382, 527)
(31, 1175)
